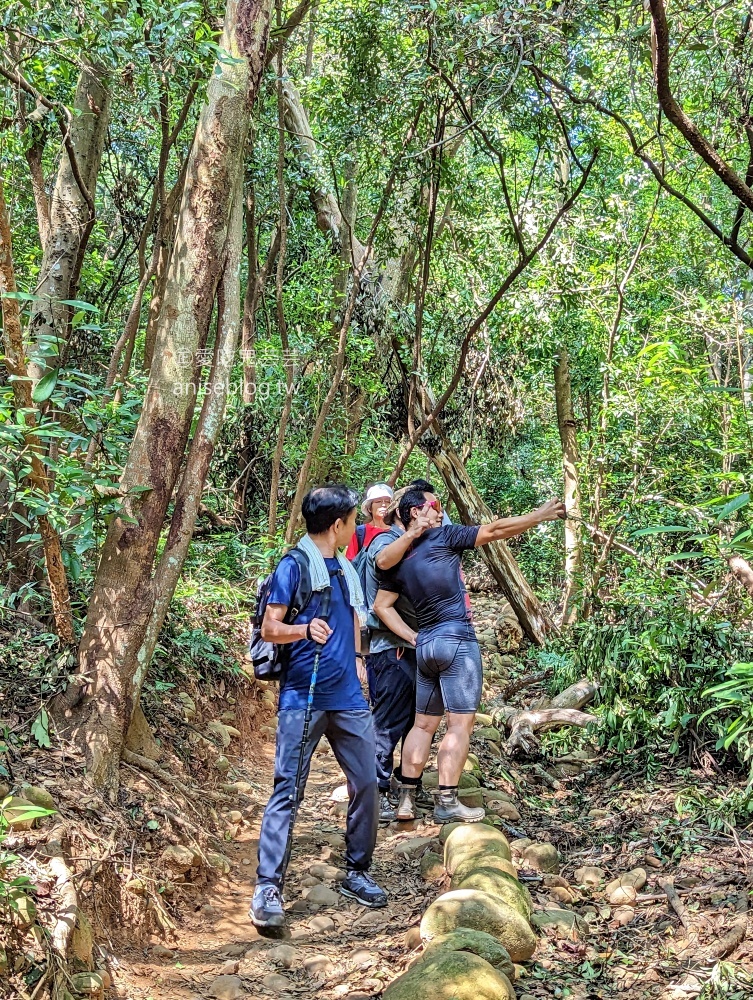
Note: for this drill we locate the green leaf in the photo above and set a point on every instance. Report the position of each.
(40, 729)
(658, 529)
(45, 387)
(78, 304)
(152, 825)
(735, 504)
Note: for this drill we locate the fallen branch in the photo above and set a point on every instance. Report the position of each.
(734, 936)
(525, 681)
(144, 764)
(67, 914)
(677, 904)
(524, 726)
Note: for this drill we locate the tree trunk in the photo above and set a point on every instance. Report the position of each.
(503, 566)
(15, 363)
(189, 492)
(569, 437)
(71, 216)
(112, 655)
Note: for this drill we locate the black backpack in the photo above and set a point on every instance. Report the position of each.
(268, 658)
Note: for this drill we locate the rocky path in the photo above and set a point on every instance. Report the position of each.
(598, 846)
(332, 947)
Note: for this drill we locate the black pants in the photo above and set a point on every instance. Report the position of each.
(392, 689)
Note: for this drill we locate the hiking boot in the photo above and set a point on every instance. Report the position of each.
(362, 887)
(386, 812)
(447, 809)
(267, 906)
(424, 799)
(406, 807)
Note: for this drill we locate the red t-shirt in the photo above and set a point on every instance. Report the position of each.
(370, 534)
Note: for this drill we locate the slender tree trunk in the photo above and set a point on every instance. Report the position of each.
(569, 437)
(15, 362)
(71, 217)
(282, 326)
(189, 492)
(112, 650)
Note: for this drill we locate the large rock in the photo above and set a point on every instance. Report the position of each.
(543, 857)
(179, 859)
(589, 875)
(20, 813)
(39, 796)
(635, 878)
(488, 733)
(470, 843)
(477, 943)
(486, 861)
(227, 988)
(452, 974)
(481, 912)
(501, 885)
(432, 867)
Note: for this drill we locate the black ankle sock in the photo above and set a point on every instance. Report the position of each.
(413, 782)
(447, 788)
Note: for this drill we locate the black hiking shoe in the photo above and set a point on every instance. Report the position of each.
(267, 906)
(386, 812)
(424, 799)
(362, 887)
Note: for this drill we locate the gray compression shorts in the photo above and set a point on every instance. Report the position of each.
(449, 675)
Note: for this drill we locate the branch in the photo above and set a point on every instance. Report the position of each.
(484, 315)
(284, 32)
(638, 150)
(63, 118)
(685, 125)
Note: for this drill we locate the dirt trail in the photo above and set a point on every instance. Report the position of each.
(594, 810)
(341, 948)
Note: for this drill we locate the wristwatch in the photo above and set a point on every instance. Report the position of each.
(360, 656)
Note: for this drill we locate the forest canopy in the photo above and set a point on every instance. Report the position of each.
(507, 246)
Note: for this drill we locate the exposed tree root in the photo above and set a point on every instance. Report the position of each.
(65, 921)
(144, 764)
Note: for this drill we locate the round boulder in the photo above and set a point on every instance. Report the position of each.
(473, 841)
(543, 857)
(456, 974)
(480, 912)
(488, 861)
(477, 943)
(502, 886)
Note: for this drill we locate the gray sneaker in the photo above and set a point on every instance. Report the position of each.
(267, 906)
(386, 812)
(448, 809)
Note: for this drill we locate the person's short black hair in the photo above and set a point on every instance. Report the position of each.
(421, 484)
(323, 505)
(409, 500)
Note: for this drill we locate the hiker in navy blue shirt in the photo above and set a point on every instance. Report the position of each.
(423, 565)
(340, 710)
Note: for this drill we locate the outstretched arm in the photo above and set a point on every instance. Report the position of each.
(509, 527)
(384, 609)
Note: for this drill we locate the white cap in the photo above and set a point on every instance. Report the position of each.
(375, 492)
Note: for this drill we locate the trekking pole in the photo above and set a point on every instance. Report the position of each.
(322, 613)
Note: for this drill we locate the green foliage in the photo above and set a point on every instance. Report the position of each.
(11, 887)
(734, 697)
(653, 658)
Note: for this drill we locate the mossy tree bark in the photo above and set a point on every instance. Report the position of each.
(113, 653)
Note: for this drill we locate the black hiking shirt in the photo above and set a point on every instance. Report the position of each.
(429, 576)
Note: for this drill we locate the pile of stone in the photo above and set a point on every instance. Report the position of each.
(473, 934)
